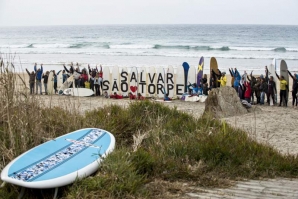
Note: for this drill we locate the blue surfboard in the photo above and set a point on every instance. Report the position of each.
(200, 71)
(186, 69)
(60, 161)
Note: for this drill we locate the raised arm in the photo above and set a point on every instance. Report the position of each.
(65, 68)
(290, 74)
(277, 75)
(231, 73)
(27, 71)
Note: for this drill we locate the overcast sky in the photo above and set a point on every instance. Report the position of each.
(89, 12)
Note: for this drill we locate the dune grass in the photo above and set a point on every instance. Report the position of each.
(157, 146)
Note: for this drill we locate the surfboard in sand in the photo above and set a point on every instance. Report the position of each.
(200, 71)
(185, 66)
(78, 92)
(60, 161)
(69, 82)
(133, 81)
(169, 81)
(271, 72)
(51, 83)
(106, 79)
(284, 72)
(179, 89)
(142, 81)
(152, 77)
(124, 86)
(160, 82)
(115, 82)
(214, 67)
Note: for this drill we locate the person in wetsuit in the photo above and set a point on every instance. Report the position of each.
(294, 88)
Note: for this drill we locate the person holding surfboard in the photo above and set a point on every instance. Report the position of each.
(31, 80)
(294, 88)
(283, 89)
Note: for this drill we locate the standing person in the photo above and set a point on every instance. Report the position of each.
(55, 81)
(237, 78)
(294, 88)
(96, 85)
(247, 93)
(271, 87)
(45, 82)
(83, 78)
(263, 89)
(76, 76)
(257, 89)
(223, 79)
(283, 89)
(252, 81)
(38, 78)
(100, 74)
(31, 80)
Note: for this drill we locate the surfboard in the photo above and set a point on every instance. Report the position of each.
(179, 87)
(68, 82)
(152, 77)
(60, 161)
(169, 81)
(203, 98)
(133, 81)
(163, 101)
(106, 80)
(115, 81)
(78, 92)
(271, 72)
(200, 71)
(185, 66)
(59, 79)
(192, 75)
(142, 81)
(160, 82)
(124, 86)
(192, 98)
(284, 72)
(51, 83)
(214, 67)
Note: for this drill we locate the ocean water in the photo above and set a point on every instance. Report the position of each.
(247, 47)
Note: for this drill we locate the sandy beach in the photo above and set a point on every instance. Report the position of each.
(272, 125)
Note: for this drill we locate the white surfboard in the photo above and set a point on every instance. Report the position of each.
(106, 80)
(151, 77)
(78, 92)
(142, 81)
(69, 82)
(60, 161)
(124, 86)
(203, 98)
(179, 87)
(59, 80)
(133, 81)
(192, 98)
(51, 83)
(169, 81)
(271, 72)
(115, 81)
(192, 75)
(160, 82)
(163, 101)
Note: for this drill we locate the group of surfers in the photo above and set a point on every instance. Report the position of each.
(249, 87)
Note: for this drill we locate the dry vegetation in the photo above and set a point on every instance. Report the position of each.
(158, 148)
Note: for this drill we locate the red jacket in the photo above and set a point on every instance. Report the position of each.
(85, 77)
(247, 93)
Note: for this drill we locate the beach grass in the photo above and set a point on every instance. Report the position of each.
(157, 147)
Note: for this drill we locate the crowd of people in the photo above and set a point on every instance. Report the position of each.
(248, 87)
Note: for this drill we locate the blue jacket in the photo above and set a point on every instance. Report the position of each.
(38, 73)
(237, 77)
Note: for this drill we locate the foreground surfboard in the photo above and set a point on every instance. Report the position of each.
(61, 161)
